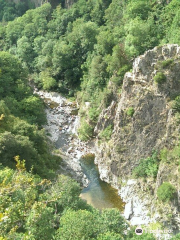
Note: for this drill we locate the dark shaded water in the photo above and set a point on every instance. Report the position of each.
(99, 194)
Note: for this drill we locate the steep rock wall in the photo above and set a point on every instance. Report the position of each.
(152, 126)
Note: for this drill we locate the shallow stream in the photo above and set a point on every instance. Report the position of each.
(62, 130)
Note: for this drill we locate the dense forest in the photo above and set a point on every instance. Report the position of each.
(76, 52)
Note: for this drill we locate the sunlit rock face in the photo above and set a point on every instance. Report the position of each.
(150, 125)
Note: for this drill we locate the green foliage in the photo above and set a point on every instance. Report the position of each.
(83, 224)
(17, 195)
(147, 167)
(160, 65)
(106, 133)
(47, 81)
(109, 236)
(11, 10)
(21, 116)
(136, 28)
(167, 63)
(139, 9)
(35, 208)
(176, 237)
(85, 131)
(111, 221)
(160, 78)
(118, 78)
(40, 221)
(32, 107)
(93, 114)
(130, 111)
(32, 206)
(77, 225)
(11, 72)
(170, 22)
(176, 104)
(166, 192)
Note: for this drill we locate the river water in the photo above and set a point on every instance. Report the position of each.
(99, 193)
(62, 124)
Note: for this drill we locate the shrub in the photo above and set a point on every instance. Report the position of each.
(167, 63)
(85, 131)
(160, 78)
(176, 104)
(166, 192)
(93, 114)
(106, 133)
(163, 64)
(130, 111)
(147, 167)
(118, 80)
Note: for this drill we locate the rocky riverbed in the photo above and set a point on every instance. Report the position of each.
(61, 128)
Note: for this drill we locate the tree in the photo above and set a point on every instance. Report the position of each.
(77, 225)
(40, 222)
(136, 28)
(10, 71)
(63, 194)
(25, 50)
(48, 82)
(17, 194)
(33, 108)
(138, 8)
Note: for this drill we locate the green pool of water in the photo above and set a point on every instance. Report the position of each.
(98, 193)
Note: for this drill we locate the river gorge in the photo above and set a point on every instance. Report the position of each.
(61, 128)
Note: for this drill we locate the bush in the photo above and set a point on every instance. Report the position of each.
(118, 80)
(166, 192)
(167, 63)
(163, 64)
(130, 111)
(160, 78)
(93, 114)
(147, 167)
(176, 104)
(85, 131)
(106, 133)
(76, 225)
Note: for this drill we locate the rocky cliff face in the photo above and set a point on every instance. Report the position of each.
(151, 125)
